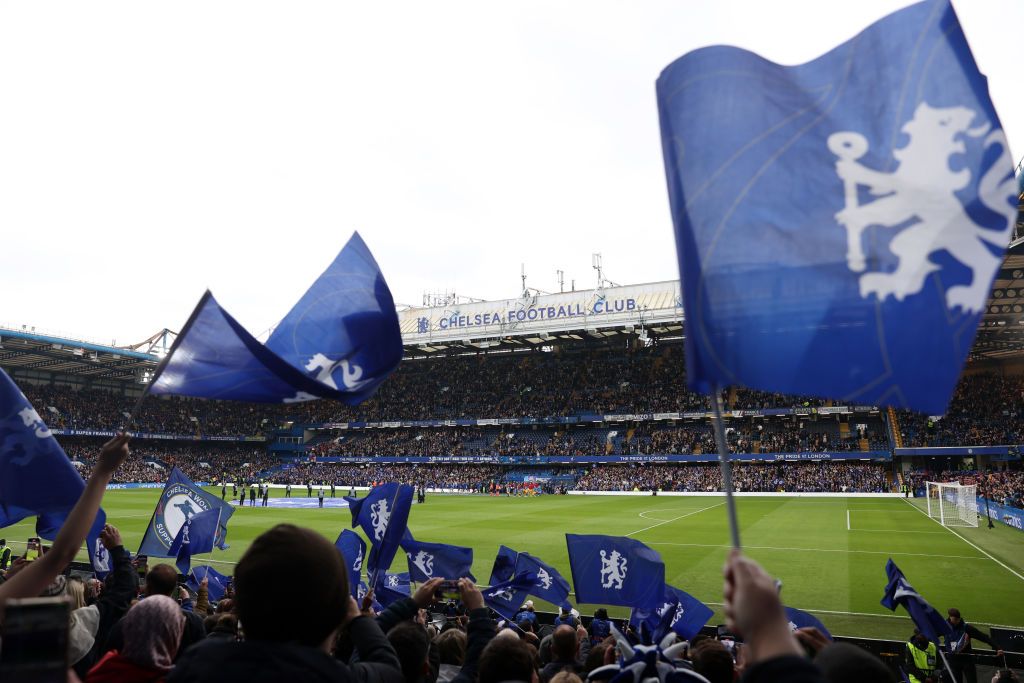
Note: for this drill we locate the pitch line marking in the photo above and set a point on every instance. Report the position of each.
(899, 531)
(848, 519)
(666, 521)
(982, 551)
(643, 514)
(823, 550)
(873, 614)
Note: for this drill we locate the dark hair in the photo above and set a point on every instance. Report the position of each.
(506, 659)
(285, 567)
(713, 661)
(596, 658)
(846, 663)
(411, 643)
(451, 645)
(954, 612)
(564, 643)
(600, 613)
(161, 580)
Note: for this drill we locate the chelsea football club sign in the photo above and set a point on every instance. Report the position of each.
(178, 503)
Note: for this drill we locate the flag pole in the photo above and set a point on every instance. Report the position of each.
(163, 361)
(723, 459)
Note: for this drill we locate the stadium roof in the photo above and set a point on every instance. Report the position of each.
(27, 350)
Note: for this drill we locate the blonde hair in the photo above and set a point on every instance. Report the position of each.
(75, 591)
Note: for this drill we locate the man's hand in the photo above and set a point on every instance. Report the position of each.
(811, 638)
(16, 567)
(113, 454)
(753, 610)
(367, 606)
(581, 633)
(205, 583)
(472, 598)
(424, 595)
(111, 537)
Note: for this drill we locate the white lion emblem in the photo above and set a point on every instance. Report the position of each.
(503, 595)
(613, 569)
(379, 516)
(393, 581)
(543, 578)
(357, 564)
(351, 374)
(425, 562)
(32, 420)
(922, 192)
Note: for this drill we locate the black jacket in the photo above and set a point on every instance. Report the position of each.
(256, 661)
(479, 632)
(785, 669)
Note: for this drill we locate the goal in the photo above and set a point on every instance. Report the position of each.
(953, 504)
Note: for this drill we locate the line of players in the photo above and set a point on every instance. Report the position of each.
(261, 491)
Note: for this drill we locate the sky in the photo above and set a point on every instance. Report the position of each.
(149, 151)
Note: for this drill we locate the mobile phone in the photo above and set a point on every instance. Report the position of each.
(449, 589)
(35, 640)
(33, 549)
(142, 564)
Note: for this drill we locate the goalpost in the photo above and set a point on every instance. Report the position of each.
(952, 503)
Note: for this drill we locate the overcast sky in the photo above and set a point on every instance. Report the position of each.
(149, 151)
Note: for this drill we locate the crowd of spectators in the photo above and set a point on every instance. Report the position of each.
(794, 477)
(470, 478)
(986, 410)
(1002, 486)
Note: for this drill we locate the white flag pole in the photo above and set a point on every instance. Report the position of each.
(723, 459)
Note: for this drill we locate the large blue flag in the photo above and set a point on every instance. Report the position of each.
(504, 565)
(800, 619)
(507, 597)
(353, 551)
(181, 500)
(429, 560)
(899, 592)
(830, 216)
(36, 476)
(340, 341)
(679, 612)
(216, 585)
(615, 570)
(384, 516)
(196, 536)
(550, 584)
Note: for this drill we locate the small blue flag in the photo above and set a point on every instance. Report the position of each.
(392, 587)
(36, 476)
(340, 341)
(353, 551)
(216, 585)
(830, 216)
(384, 517)
(181, 500)
(196, 536)
(925, 617)
(798, 619)
(615, 570)
(679, 612)
(504, 565)
(550, 584)
(429, 560)
(507, 597)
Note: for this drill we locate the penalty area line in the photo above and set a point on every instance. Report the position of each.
(646, 528)
(979, 549)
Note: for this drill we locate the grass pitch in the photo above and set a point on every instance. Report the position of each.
(830, 553)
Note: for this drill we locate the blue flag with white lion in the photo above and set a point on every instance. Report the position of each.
(832, 215)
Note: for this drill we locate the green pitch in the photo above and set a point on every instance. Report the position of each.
(829, 553)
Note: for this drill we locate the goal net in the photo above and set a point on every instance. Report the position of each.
(952, 503)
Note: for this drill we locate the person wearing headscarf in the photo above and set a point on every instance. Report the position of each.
(152, 634)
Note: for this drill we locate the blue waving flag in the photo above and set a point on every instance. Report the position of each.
(427, 560)
(799, 619)
(181, 500)
(615, 570)
(831, 216)
(504, 565)
(507, 597)
(384, 517)
(353, 551)
(216, 585)
(196, 536)
(899, 592)
(391, 588)
(340, 341)
(36, 476)
(550, 584)
(679, 612)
